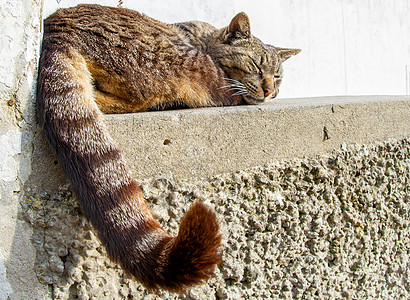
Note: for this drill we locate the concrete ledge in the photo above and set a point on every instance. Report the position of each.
(210, 141)
(314, 223)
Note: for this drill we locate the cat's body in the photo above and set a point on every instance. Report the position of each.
(112, 60)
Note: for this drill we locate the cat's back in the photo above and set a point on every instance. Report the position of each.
(86, 16)
(110, 23)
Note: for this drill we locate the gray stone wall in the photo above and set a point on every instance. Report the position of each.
(331, 226)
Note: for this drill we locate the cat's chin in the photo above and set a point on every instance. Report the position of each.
(254, 101)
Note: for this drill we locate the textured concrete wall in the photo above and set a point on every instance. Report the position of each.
(48, 250)
(332, 226)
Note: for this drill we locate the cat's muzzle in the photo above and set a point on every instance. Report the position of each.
(253, 100)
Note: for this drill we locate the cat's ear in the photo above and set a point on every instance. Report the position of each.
(285, 53)
(240, 26)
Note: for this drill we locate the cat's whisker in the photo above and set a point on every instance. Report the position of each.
(237, 85)
(230, 79)
(225, 86)
(239, 93)
(239, 88)
(234, 81)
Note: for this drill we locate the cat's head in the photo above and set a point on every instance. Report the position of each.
(254, 68)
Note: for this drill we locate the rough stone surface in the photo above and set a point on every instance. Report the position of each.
(332, 226)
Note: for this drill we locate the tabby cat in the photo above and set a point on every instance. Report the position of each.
(98, 60)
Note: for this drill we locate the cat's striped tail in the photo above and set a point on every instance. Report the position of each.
(110, 198)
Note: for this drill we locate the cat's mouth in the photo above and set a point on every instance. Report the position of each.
(252, 100)
(258, 100)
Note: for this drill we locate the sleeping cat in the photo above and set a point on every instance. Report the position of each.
(98, 60)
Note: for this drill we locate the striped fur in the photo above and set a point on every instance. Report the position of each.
(109, 196)
(99, 60)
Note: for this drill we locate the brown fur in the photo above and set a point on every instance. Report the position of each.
(98, 60)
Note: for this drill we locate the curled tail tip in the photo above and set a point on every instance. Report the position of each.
(177, 263)
(195, 251)
(200, 228)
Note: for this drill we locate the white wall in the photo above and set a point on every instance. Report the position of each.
(349, 47)
(19, 43)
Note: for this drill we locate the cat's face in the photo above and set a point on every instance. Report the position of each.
(254, 68)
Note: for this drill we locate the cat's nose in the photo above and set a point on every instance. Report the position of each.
(267, 91)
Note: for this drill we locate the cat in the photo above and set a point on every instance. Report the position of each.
(98, 59)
